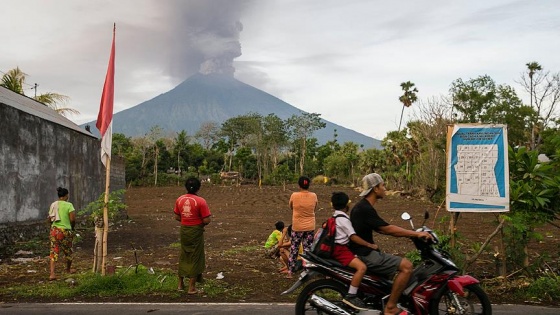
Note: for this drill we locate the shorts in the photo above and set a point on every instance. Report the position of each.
(272, 252)
(382, 264)
(342, 254)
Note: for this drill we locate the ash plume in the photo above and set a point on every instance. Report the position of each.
(205, 36)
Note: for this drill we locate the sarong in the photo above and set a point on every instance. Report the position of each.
(192, 261)
(61, 241)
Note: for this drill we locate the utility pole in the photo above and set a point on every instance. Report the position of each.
(35, 87)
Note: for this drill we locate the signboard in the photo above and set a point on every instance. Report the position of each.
(477, 168)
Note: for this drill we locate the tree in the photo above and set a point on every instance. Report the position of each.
(301, 128)
(473, 97)
(274, 139)
(14, 80)
(234, 130)
(208, 133)
(121, 144)
(180, 150)
(532, 67)
(534, 191)
(481, 100)
(153, 136)
(544, 88)
(408, 97)
(53, 100)
(427, 132)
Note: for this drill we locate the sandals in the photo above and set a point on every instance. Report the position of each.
(195, 292)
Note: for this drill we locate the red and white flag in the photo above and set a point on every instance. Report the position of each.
(105, 116)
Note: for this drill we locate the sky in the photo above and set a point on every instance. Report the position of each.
(342, 59)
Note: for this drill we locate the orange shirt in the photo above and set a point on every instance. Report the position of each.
(303, 204)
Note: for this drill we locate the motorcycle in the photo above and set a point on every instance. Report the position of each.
(435, 287)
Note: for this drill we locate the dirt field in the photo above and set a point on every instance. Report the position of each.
(243, 217)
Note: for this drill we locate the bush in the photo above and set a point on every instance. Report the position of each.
(544, 288)
(115, 207)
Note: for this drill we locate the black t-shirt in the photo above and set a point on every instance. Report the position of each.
(365, 220)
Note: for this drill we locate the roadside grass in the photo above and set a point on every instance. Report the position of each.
(545, 288)
(124, 283)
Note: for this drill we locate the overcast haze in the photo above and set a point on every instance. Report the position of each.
(342, 59)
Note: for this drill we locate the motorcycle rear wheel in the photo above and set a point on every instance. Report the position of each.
(327, 289)
(474, 302)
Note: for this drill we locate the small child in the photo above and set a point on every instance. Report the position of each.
(341, 252)
(271, 245)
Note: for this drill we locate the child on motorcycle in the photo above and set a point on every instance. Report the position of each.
(344, 234)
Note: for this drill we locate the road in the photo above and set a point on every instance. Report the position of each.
(202, 308)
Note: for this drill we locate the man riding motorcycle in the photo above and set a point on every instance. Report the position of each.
(365, 220)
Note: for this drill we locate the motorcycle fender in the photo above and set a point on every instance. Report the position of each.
(302, 279)
(456, 284)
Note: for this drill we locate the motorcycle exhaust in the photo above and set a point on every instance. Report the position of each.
(327, 306)
(332, 309)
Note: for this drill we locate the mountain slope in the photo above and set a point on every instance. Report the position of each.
(202, 98)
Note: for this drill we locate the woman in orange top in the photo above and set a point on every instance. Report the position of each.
(303, 204)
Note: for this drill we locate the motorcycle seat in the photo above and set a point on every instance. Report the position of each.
(325, 261)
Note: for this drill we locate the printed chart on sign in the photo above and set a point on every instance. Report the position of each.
(475, 170)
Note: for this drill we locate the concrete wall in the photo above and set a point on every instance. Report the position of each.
(36, 157)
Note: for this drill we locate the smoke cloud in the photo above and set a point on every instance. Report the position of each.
(205, 36)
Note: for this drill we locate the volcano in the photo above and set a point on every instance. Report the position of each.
(216, 97)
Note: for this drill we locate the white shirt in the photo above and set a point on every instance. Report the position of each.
(344, 228)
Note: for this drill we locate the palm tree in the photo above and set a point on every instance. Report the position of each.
(54, 100)
(15, 79)
(533, 67)
(408, 97)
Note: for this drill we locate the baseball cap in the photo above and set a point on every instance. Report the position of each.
(369, 181)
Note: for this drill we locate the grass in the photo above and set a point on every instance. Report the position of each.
(544, 288)
(124, 283)
(242, 249)
(37, 245)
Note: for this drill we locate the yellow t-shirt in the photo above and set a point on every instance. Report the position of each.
(273, 239)
(303, 204)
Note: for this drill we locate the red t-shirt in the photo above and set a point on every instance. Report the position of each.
(192, 209)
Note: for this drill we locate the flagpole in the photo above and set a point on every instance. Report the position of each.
(104, 124)
(106, 214)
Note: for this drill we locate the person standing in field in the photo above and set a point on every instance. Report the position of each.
(62, 219)
(193, 213)
(303, 204)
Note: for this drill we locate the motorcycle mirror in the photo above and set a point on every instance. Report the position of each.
(405, 216)
(426, 216)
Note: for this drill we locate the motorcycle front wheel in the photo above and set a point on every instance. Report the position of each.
(475, 301)
(326, 289)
